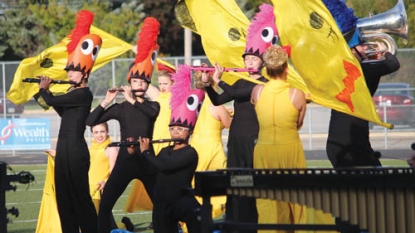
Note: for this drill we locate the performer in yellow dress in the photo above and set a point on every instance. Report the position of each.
(162, 96)
(102, 161)
(280, 110)
(207, 138)
(48, 220)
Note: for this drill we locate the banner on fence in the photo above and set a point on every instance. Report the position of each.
(25, 134)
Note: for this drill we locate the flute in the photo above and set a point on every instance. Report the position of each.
(225, 69)
(122, 90)
(37, 80)
(135, 143)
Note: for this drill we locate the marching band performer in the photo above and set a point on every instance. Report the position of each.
(138, 198)
(348, 143)
(76, 210)
(244, 128)
(207, 137)
(136, 116)
(280, 110)
(175, 164)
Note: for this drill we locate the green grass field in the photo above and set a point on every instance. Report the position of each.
(27, 199)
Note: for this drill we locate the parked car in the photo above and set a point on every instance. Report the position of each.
(395, 103)
(12, 109)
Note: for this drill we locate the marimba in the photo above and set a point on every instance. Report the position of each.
(377, 200)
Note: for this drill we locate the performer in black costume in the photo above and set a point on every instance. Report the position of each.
(176, 164)
(348, 141)
(136, 116)
(244, 128)
(72, 161)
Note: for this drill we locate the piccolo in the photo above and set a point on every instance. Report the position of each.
(122, 90)
(199, 68)
(135, 143)
(37, 80)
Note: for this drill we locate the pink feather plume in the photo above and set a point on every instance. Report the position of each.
(181, 87)
(265, 15)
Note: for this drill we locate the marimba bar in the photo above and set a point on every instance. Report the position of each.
(377, 200)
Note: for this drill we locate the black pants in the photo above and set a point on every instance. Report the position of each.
(127, 168)
(167, 216)
(343, 155)
(76, 210)
(240, 155)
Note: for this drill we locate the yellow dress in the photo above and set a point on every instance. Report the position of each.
(48, 220)
(279, 146)
(99, 169)
(207, 141)
(138, 198)
(161, 126)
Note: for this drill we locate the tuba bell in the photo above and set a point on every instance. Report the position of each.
(377, 27)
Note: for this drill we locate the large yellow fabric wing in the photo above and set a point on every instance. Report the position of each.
(323, 59)
(52, 61)
(223, 28)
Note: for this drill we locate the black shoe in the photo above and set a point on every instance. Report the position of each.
(150, 226)
(128, 224)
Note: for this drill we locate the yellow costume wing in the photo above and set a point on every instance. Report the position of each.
(323, 59)
(52, 61)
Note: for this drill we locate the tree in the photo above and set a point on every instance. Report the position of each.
(21, 34)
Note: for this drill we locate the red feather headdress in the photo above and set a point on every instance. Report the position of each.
(83, 47)
(147, 50)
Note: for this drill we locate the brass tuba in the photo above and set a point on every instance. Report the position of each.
(377, 27)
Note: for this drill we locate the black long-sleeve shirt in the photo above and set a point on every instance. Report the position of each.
(73, 108)
(245, 121)
(175, 170)
(135, 120)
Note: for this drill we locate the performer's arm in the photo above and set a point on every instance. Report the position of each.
(235, 91)
(149, 108)
(171, 163)
(392, 63)
(100, 115)
(373, 71)
(217, 99)
(70, 99)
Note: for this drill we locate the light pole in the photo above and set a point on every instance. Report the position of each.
(187, 46)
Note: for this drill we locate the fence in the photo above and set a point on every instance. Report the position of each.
(313, 132)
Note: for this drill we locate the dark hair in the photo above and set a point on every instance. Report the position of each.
(103, 123)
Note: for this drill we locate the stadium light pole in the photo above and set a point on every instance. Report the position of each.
(187, 46)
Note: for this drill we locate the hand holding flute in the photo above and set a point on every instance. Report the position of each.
(206, 68)
(44, 82)
(143, 142)
(37, 80)
(136, 143)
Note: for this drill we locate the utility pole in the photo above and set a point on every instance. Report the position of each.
(187, 46)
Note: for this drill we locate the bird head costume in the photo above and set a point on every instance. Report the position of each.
(185, 102)
(83, 47)
(147, 50)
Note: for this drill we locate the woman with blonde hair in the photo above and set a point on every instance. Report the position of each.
(280, 110)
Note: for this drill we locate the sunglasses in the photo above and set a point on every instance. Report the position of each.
(178, 129)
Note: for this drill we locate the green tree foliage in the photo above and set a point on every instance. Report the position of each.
(30, 26)
(20, 34)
